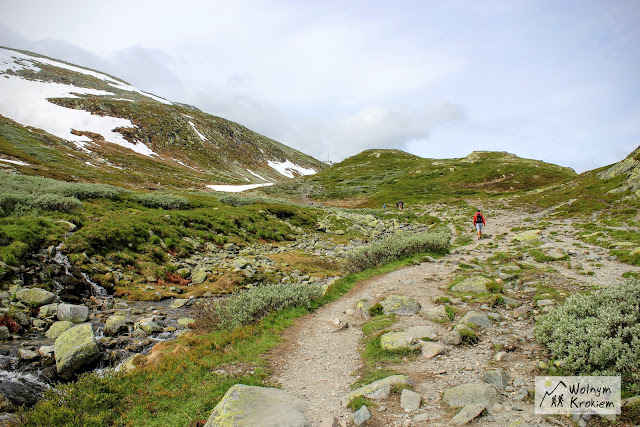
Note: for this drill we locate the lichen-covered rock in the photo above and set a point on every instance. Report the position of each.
(73, 313)
(399, 304)
(57, 328)
(186, 321)
(410, 400)
(75, 350)
(452, 338)
(528, 236)
(48, 310)
(473, 284)
(424, 332)
(35, 297)
(369, 389)
(198, 275)
(4, 333)
(116, 325)
(432, 349)
(437, 313)
(497, 378)
(178, 302)
(252, 406)
(470, 394)
(148, 326)
(392, 341)
(361, 416)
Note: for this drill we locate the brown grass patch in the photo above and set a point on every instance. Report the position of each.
(313, 266)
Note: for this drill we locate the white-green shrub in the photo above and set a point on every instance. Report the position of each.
(597, 333)
(397, 246)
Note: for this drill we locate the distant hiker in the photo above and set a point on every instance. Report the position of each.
(400, 205)
(478, 222)
(384, 206)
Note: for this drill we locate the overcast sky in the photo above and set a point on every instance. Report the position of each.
(555, 80)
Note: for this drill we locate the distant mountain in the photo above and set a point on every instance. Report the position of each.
(69, 122)
(376, 177)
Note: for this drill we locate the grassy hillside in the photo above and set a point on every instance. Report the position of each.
(376, 177)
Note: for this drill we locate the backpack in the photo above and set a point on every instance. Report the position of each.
(479, 218)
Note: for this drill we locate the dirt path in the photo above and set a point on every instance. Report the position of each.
(319, 361)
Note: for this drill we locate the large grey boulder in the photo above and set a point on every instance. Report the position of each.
(73, 313)
(497, 377)
(199, 275)
(75, 350)
(410, 400)
(400, 304)
(470, 394)
(361, 416)
(473, 284)
(116, 325)
(393, 341)
(48, 310)
(252, 406)
(437, 313)
(425, 332)
(477, 319)
(35, 297)
(370, 389)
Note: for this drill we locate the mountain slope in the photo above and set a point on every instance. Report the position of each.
(64, 121)
(377, 177)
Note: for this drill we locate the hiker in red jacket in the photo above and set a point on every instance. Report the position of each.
(478, 222)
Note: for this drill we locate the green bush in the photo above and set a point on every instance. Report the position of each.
(55, 202)
(162, 200)
(597, 334)
(249, 306)
(396, 247)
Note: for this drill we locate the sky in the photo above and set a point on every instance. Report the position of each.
(543, 79)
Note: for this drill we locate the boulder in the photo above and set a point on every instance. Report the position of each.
(186, 321)
(422, 332)
(467, 414)
(178, 302)
(198, 275)
(392, 341)
(410, 400)
(370, 389)
(75, 350)
(452, 338)
(473, 284)
(432, 349)
(73, 313)
(528, 236)
(477, 319)
(35, 297)
(437, 313)
(470, 394)
(116, 325)
(149, 326)
(523, 310)
(4, 333)
(361, 416)
(57, 328)
(399, 304)
(244, 405)
(497, 378)
(511, 302)
(48, 310)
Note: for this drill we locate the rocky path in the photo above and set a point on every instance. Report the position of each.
(320, 359)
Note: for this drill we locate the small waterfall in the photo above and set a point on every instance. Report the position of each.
(21, 389)
(96, 290)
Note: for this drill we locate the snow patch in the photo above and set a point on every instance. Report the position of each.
(255, 174)
(15, 162)
(202, 137)
(237, 188)
(287, 168)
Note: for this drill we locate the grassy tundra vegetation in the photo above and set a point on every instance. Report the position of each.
(177, 384)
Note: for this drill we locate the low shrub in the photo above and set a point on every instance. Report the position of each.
(162, 200)
(249, 306)
(396, 247)
(451, 312)
(597, 334)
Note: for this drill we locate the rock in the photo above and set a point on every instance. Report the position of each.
(432, 349)
(523, 310)
(422, 332)
(73, 313)
(452, 338)
(497, 378)
(116, 325)
(528, 236)
(470, 394)
(148, 326)
(545, 302)
(399, 380)
(131, 362)
(178, 303)
(473, 284)
(361, 416)
(410, 400)
(4, 333)
(476, 319)
(35, 297)
(198, 275)
(511, 302)
(392, 341)
(467, 414)
(330, 421)
(398, 304)
(186, 321)
(48, 310)
(27, 355)
(380, 393)
(57, 328)
(362, 308)
(437, 313)
(75, 350)
(244, 405)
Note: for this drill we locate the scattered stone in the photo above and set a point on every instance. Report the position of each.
(398, 304)
(470, 394)
(185, 321)
(392, 341)
(148, 326)
(473, 284)
(523, 310)
(467, 414)
(422, 332)
(178, 303)
(433, 349)
(330, 421)
(57, 328)
(27, 355)
(496, 377)
(545, 302)
(437, 313)
(198, 275)
(361, 416)
(73, 313)
(399, 380)
(116, 325)
(48, 310)
(511, 302)
(4, 333)
(410, 400)
(244, 405)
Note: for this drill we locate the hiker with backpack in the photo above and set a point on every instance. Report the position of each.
(478, 222)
